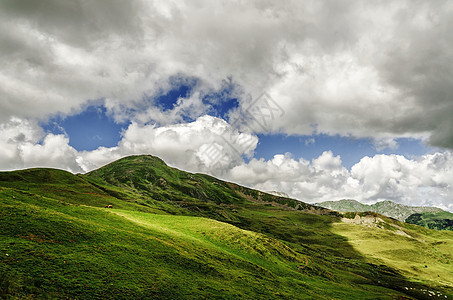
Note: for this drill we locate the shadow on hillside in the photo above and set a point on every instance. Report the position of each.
(310, 234)
(333, 256)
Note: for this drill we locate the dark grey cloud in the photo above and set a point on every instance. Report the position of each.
(379, 69)
(78, 23)
(420, 64)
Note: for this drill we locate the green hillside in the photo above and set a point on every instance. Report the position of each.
(442, 220)
(177, 235)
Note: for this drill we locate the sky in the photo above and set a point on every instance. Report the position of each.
(322, 100)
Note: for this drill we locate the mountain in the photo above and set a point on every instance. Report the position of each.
(387, 208)
(137, 228)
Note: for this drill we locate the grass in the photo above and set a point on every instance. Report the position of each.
(173, 234)
(418, 253)
(84, 252)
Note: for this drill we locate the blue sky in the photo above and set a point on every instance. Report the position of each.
(94, 127)
(350, 150)
(87, 130)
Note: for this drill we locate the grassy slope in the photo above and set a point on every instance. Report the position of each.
(386, 208)
(442, 220)
(416, 252)
(55, 249)
(162, 240)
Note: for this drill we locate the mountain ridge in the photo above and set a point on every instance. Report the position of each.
(388, 208)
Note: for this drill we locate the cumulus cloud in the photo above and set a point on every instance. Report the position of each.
(323, 178)
(208, 144)
(54, 152)
(368, 69)
(13, 134)
(213, 146)
(377, 69)
(185, 108)
(23, 144)
(425, 181)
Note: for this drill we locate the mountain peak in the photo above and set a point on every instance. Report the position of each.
(150, 177)
(139, 158)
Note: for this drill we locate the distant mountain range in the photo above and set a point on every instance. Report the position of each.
(387, 208)
(430, 217)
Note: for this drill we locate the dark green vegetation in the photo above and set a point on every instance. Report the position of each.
(173, 235)
(429, 217)
(442, 220)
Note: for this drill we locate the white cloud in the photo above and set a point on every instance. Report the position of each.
(208, 144)
(385, 143)
(23, 144)
(367, 69)
(54, 152)
(356, 68)
(424, 181)
(213, 146)
(324, 178)
(190, 107)
(13, 134)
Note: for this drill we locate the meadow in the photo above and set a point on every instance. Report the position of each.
(176, 235)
